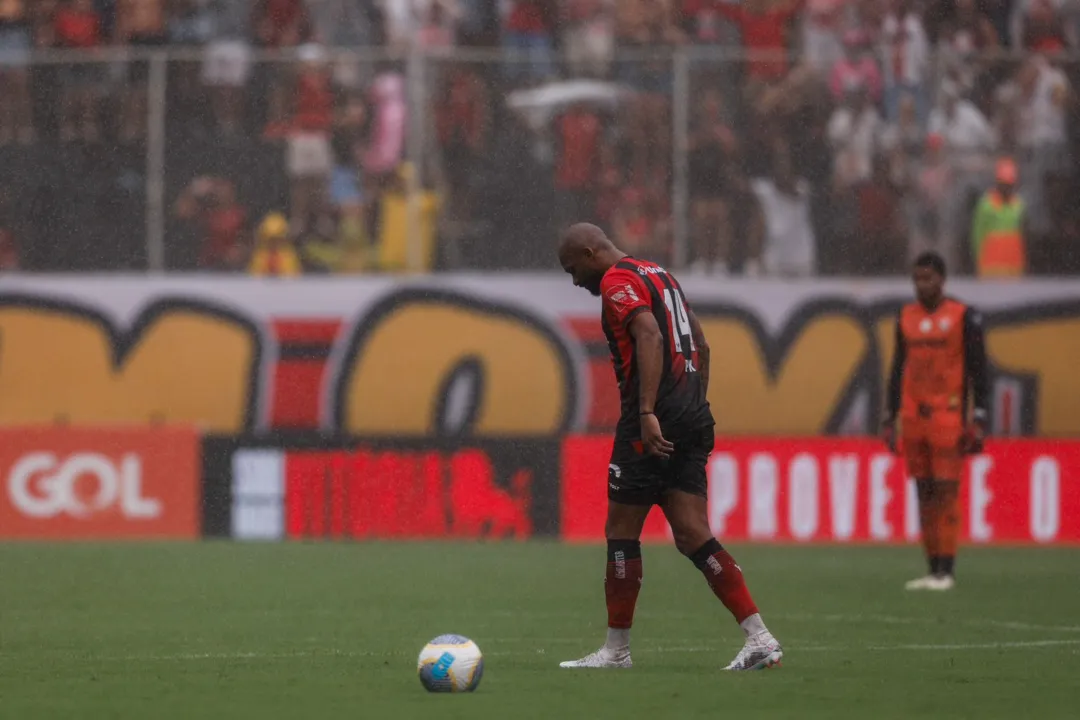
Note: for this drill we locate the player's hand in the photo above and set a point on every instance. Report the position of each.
(972, 441)
(652, 440)
(888, 435)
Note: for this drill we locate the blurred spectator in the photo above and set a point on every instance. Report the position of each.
(77, 25)
(579, 132)
(389, 122)
(881, 226)
(140, 24)
(9, 246)
(274, 254)
(437, 25)
(528, 30)
(310, 160)
(822, 25)
(711, 153)
(9, 251)
(395, 253)
(635, 224)
(997, 232)
(16, 41)
(211, 205)
(463, 126)
(227, 62)
(969, 144)
(642, 28)
(279, 24)
(903, 141)
(858, 66)
(933, 185)
(905, 51)
(855, 130)
(1040, 25)
(1045, 96)
(588, 28)
(790, 249)
(763, 26)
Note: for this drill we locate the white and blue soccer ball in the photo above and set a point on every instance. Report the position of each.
(450, 663)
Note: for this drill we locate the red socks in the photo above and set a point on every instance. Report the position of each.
(725, 578)
(622, 582)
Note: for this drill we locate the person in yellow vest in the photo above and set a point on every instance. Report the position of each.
(997, 230)
(274, 254)
(394, 224)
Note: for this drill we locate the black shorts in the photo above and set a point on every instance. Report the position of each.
(635, 478)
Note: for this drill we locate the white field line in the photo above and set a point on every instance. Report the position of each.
(901, 620)
(671, 650)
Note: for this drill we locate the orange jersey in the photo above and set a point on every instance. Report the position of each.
(939, 355)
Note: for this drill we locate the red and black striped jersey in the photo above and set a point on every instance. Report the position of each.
(634, 286)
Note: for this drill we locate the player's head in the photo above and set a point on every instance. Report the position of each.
(928, 274)
(586, 253)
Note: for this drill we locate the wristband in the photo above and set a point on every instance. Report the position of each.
(646, 413)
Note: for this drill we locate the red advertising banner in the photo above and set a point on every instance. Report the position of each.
(499, 490)
(846, 490)
(71, 484)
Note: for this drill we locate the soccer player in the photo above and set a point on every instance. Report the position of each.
(939, 356)
(662, 441)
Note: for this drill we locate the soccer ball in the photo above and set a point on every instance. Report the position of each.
(450, 663)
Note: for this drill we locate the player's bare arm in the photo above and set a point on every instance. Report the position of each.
(703, 349)
(649, 349)
(896, 377)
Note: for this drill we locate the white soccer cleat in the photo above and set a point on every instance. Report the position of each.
(760, 652)
(602, 658)
(922, 583)
(941, 583)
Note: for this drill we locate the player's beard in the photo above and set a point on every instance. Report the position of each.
(593, 284)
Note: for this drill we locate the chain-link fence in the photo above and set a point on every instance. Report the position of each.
(369, 161)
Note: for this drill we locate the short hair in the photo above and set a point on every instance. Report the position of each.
(932, 260)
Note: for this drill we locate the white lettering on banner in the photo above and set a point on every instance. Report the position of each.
(979, 528)
(880, 496)
(911, 509)
(764, 488)
(1045, 498)
(258, 491)
(41, 486)
(843, 486)
(723, 490)
(803, 496)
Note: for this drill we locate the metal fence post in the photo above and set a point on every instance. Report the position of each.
(414, 151)
(155, 162)
(680, 128)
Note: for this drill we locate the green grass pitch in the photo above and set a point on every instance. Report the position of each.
(222, 630)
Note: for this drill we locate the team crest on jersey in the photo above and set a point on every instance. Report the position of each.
(926, 325)
(944, 323)
(623, 295)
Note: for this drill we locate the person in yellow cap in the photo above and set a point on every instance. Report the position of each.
(274, 255)
(997, 230)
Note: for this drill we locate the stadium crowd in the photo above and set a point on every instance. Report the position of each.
(824, 137)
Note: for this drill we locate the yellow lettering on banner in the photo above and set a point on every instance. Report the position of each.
(187, 366)
(513, 377)
(810, 380)
(885, 332)
(1048, 349)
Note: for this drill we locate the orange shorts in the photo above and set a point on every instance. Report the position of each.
(932, 447)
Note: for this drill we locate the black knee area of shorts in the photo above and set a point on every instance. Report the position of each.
(925, 490)
(630, 549)
(700, 557)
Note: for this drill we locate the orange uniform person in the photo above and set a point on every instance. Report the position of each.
(940, 357)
